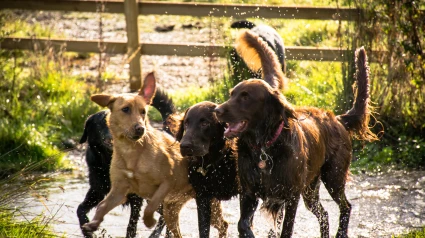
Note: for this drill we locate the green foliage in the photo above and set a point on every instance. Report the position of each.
(413, 234)
(14, 220)
(9, 227)
(406, 152)
(314, 83)
(184, 98)
(20, 25)
(41, 107)
(397, 27)
(398, 81)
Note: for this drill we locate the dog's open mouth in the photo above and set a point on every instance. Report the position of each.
(234, 129)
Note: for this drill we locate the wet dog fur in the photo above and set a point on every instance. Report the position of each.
(145, 161)
(273, 40)
(285, 151)
(98, 158)
(212, 160)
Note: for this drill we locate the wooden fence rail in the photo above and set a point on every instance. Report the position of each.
(193, 49)
(128, 7)
(189, 9)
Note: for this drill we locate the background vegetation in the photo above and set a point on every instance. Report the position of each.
(398, 86)
(42, 107)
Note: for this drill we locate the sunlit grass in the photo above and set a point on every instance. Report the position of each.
(413, 234)
(42, 108)
(14, 220)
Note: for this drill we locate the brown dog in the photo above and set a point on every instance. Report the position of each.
(285, 151)
(145, 161)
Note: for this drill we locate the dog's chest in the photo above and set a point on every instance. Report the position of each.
(217, 180)
(266, 176)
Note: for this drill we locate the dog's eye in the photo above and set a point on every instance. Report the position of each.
(244, 95)
(205, 124)
(143, 111)
(126, 109)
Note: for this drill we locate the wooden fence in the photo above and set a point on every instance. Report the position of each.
(134, 48)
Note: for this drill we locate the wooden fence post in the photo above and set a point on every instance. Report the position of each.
(133, 51)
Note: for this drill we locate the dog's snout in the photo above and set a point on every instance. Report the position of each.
(139, 129)
(186, 149)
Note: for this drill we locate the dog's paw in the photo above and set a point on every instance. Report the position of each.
(149, 221)
(91, 226)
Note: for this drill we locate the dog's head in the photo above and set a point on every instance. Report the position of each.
(253, 104)
(128, 116)
(96, 132)
(199, 129)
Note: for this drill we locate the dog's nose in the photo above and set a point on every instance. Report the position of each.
(139, 129)
(219, 110)
(186, 149)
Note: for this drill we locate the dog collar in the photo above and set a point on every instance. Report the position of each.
(273, 140)
(276, 135)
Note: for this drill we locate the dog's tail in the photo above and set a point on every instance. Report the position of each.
(164, 104)
(356, 120)
(242, 24)
(258, 55)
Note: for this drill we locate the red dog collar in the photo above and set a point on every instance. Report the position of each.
(273, 140)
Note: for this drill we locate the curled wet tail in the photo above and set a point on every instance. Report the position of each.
(356, 120)
(258, 55)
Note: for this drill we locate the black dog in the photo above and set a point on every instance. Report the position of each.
(270, 36)
(98, 158)
(213, 160)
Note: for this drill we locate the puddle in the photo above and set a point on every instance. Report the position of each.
(383, 205)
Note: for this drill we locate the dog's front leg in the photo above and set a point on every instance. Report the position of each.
(248, 206)
(289, 220)
(204, 216)
(135, 205)
(154, 203)
(217, 219)
(172, 209)
(114, 198)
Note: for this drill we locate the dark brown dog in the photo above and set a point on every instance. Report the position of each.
(145, 161)
(212, 160)
(285, 151)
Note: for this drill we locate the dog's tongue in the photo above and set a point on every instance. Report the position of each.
(233, 129)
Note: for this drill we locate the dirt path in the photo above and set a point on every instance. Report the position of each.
(173, 72)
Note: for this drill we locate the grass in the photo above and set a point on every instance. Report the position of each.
(413, 234)
(41, 107)
(14, 220)
(9, 227)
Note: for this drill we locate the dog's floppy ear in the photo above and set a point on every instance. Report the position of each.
(180, 132)
(85, 133)
(103, 100)
(285, 109)
(149, 88)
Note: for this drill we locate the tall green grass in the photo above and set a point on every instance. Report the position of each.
(42, 109)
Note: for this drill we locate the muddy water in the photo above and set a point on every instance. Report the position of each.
(383, 205)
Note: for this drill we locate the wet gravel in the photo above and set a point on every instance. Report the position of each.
(383, 204)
